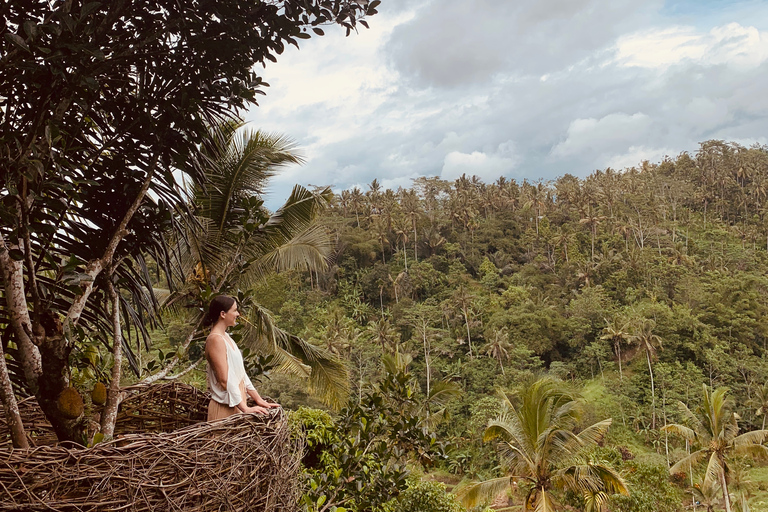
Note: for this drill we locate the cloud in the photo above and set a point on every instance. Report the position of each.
(521, 89)
(459, 42)
(486, 167)
(730, 44)
(598, 135)
(636, 155)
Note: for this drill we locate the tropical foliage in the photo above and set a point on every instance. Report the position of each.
(542, 452)
(715, 429)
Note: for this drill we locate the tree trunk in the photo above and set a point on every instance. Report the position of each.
(724, 486)
(469, 337)
(18, 316)
(426, 358)
(618, 356)
(109, 415)
(11, 407)
(55, 352)
(653, 392)
(415, 244)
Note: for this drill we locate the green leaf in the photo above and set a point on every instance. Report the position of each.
(16, 255)
(19, 41)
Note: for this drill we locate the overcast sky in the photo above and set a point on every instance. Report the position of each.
(520, 88)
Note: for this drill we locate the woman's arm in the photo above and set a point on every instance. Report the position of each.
(216, 353)
(260, 401)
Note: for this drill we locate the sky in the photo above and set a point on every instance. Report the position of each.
(517, 88)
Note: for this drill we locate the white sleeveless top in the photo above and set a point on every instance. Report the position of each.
(235, 375)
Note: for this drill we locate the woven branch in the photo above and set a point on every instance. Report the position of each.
(244, 462)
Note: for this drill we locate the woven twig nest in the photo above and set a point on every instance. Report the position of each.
(244, 462)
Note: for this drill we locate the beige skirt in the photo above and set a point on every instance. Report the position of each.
(217, 411)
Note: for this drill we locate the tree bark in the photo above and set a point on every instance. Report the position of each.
(109, 415)
(11, 407)
(653, 392)
(724, 486)
(18, 314)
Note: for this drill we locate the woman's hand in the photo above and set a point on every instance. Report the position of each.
(267, 405)
(256, 410)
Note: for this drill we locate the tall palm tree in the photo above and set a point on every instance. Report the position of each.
(760, 402)
(617, 331)
(648, 341)
(539, 445)
(236, 242)
(714, 426)
(500, 346)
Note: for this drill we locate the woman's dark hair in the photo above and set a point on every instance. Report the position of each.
(218, 304)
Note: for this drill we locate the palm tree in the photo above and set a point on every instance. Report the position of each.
(616, 330)
(499, 347)
(384, 333)
(236, 242)
(412, 210)
(643, 336)
(760, 402)
(539, 446)
(706, 494)
(463, 300)
(715, 428)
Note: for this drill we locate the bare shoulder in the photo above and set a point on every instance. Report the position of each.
(215, 342)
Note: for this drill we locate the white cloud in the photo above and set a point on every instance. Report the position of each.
(486, 167)
(731, 44)
(597, 135)
(635, 155)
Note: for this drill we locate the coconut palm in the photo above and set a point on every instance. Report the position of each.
(236, 242)
(760, 402)
(648, 341)
(714, 426)
(500, 346)
(539, 446)
(617, 331)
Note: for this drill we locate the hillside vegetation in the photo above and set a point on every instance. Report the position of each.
(635, 287)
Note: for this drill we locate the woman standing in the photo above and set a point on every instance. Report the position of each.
(227, 380)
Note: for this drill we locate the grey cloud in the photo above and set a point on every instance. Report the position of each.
(459, 42)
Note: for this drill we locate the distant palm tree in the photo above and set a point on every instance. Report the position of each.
(499, 348)
(617, 331)
(715, 428)
(539, 446)
(648, 341)
(760, 402)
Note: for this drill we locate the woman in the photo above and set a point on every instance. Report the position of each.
(227, 381)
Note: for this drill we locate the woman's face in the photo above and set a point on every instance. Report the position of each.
(230, 317)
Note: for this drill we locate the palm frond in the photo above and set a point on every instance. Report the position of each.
(310, 249)
(328, 376)
(680, 430)
(714, 469)
(474, 494)
(688, 462)
(755, 437)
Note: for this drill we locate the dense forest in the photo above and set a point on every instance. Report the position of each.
(632, 288)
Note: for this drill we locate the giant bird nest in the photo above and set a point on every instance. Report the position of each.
(244, 462)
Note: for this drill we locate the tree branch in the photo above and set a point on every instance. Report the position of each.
(94, 267)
